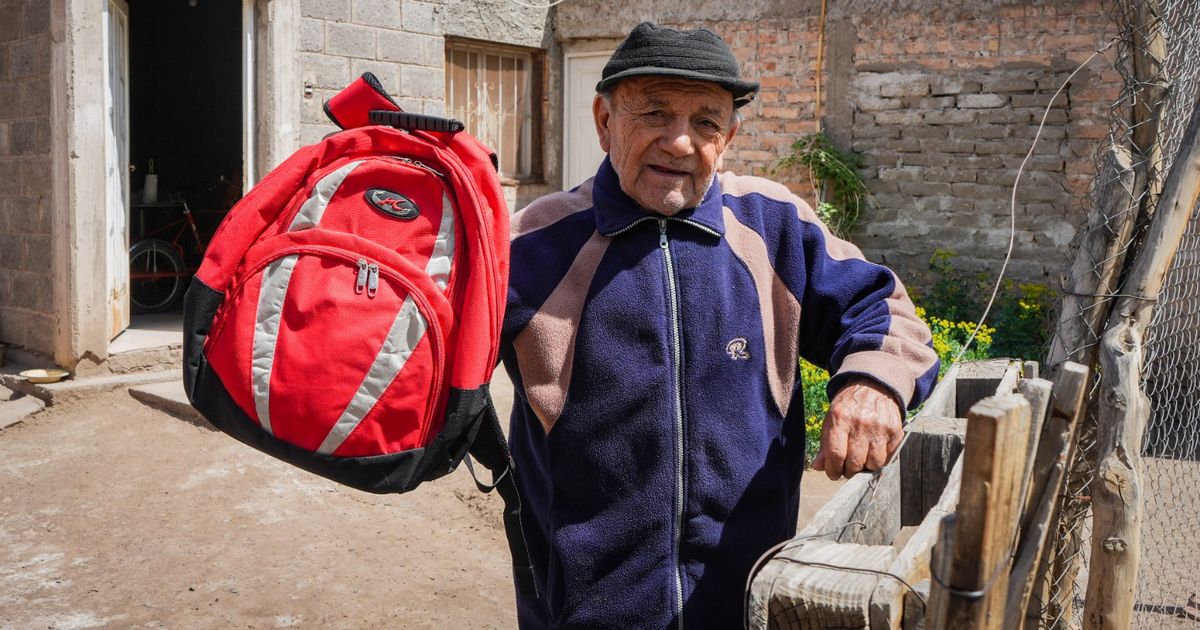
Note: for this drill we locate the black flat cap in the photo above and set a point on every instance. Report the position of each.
(658, 51)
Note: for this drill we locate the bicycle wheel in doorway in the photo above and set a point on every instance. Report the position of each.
(157, 276)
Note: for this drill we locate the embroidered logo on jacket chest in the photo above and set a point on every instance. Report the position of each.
(736, 349)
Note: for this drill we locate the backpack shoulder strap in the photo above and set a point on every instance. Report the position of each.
(491, 449)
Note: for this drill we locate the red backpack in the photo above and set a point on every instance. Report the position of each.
(346, 318)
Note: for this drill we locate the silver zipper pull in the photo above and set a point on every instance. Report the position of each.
(361, 281)
(662, 233)
(420, 164)
(372, 280)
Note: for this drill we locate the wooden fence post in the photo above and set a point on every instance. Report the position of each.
(989, 502)
(1055, 449)
(1116, 539)
(1095, 273)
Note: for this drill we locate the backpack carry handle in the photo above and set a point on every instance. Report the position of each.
(366, 102)
(409, 121)
(348, 108)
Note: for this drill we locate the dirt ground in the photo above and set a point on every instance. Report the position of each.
(113, 514)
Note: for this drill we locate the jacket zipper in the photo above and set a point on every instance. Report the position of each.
(636, 223)
(673, 298)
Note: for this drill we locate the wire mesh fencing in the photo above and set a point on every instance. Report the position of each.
(1156, 57)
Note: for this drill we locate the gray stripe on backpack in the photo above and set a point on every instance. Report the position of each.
(406, 332)
(443, 249)
(266, 333)
(313, 209)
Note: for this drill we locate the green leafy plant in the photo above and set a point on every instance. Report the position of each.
(1021, 316)
(949, 337)
(1024, 320)
(834, 176)
(952, 296)
(816, 405)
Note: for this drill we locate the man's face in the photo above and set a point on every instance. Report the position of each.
(665, 137)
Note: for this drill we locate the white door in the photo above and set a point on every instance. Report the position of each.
(116, 162)
(581, 150)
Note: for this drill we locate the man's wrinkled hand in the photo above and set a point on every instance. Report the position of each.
(862, 430)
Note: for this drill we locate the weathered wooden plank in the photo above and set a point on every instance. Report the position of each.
(1038, 392)
(827, 525)
(934, 444)
(942, 566)
(829, 521)
(759, 592)
(914, 606)
(978, 380)
(808, 596)
(1008, 382)
(993, 465)
(1054, 453)
(878, 510)
(1093, 276)
(869, 497)
(912, 563)
(941, 401)
(1149, 48)
(1030, 369)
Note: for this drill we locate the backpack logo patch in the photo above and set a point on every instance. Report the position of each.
(392, 204)
(736, 349)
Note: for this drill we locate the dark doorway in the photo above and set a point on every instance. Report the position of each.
(185, 118)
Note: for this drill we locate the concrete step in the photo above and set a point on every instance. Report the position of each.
(15, 408)
(169, 397)
(75, 388)
(133, 361)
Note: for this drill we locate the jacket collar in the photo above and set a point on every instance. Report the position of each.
(616, 211)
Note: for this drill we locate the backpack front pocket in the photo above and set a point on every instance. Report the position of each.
(333, 348)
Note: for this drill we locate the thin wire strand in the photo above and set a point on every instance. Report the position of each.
(770, 553)
(1012, 229)
(826, 565)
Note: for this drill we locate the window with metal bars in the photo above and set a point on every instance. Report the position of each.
(496, 90)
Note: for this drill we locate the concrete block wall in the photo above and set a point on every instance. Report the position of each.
(400, 41)
(945, 111)
(27, 317)
(403, 43)
(941, 100)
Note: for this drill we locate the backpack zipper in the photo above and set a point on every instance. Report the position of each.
(367, 278)
(418, 164)
(372, 279)
(673, 299)
(360, 281)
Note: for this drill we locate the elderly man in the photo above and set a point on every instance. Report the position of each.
(655, 320)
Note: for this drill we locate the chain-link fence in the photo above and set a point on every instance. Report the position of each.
(1169, 576)
(1158, 58)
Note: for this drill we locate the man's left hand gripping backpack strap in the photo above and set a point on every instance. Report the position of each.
(491, 449)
